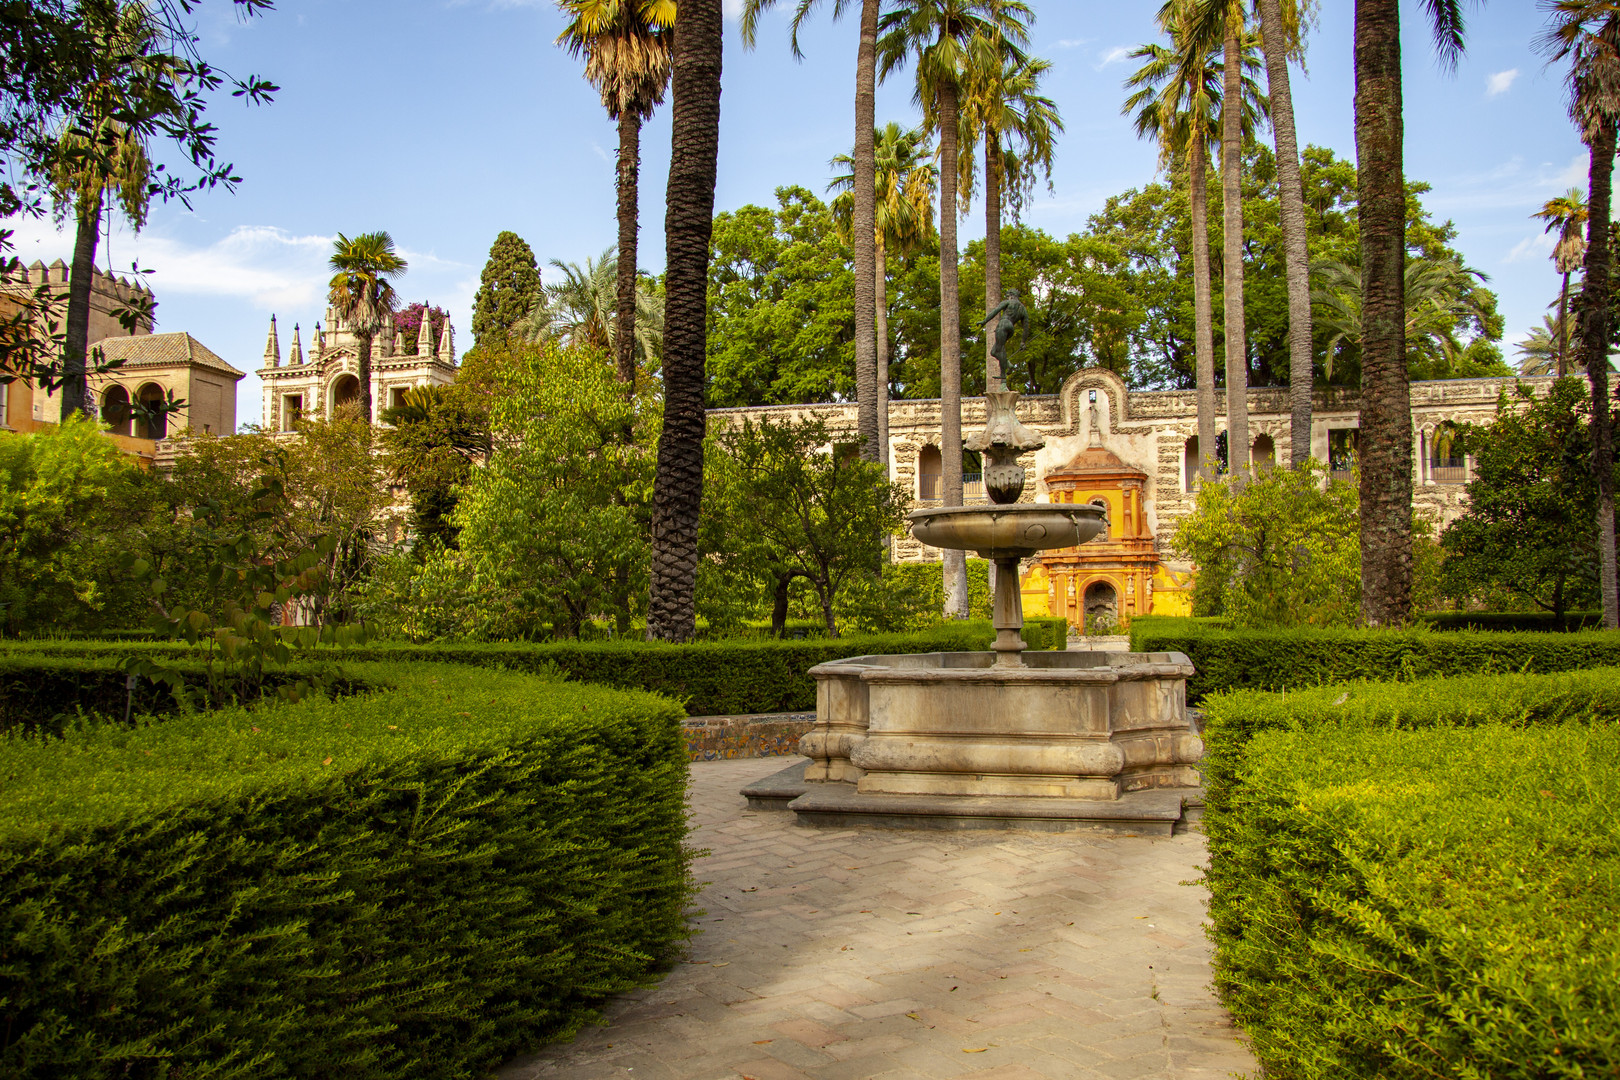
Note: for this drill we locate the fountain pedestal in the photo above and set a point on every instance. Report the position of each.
(1050, 740)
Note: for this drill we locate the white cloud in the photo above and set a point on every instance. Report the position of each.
(1498, 82)
(733, 9)
(603, 154)
(1531, 248)
(1114, 55)
(1071, 43)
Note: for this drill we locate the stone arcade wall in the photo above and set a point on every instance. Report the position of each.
(1150, 428)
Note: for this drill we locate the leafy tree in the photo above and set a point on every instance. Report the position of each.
(1279, 550)
(409, 321)
(71, 503)
(1530, 528)
(792, 504)
(82, 84)
(780, 305)
(678, 491)
(433, 440)
(507, 289)
(560, 507)
(362, 295)
(626, 46)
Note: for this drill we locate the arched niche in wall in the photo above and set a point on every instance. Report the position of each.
(1112, 400)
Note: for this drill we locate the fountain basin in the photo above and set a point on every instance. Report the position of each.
(1063, 725)
(1014, 531)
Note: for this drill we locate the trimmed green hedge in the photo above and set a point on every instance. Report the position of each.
(713, 678)
(1416, 904)
(1542, 621)
(1304, 656)
(418, 881)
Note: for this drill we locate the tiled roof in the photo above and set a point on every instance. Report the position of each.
(167, 350)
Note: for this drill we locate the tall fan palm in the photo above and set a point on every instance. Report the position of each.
(1386, 393)
(362, 294)
(906, 181)
(870, 399)
(1282, 38)
(99, 159)
(1019, 125)
(688, 226)
(947, 38)
(1176, 95)
(1224, 24)
(626, 46)
(1567, 214)
(1586, 33)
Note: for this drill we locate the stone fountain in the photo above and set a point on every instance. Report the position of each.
(1051, 740)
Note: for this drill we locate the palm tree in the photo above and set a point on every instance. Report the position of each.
(1540, 351)
(1176, 95)
(626, 48)
(1438, 298)
(868, 397)
(1567, 214)
(948, 38)
(688, 222)
(362, 295)
(1281, 40)
(98, 158)
(1386, 395)
(906, 182)
(1587, 34)
(1019, 127)
(581, 310)
(1224, 24)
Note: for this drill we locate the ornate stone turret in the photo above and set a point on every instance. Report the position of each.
(424, 335)
(296, 357)
(447, 345)
(386, 337)
(272, 347)
(319, 341)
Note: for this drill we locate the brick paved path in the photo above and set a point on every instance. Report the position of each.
(909, 955)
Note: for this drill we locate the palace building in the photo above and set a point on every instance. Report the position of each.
(1136, 452)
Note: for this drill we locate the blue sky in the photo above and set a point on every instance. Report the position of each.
(446, 121)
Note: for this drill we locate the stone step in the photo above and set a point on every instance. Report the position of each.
(778, 789)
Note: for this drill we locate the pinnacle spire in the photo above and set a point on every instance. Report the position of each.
(424, 336)
(447, 343)
(296, 357)
(272, 347)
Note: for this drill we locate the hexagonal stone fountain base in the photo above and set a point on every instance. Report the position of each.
(1069, 740)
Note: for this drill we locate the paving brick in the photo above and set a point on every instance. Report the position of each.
(831, 955)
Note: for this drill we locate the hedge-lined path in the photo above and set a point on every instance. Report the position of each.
(913, 955)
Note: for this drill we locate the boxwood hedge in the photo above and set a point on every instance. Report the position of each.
(1303, 656)
(1416, 879)
(712, 678)
(1439, 902)
(415, 881)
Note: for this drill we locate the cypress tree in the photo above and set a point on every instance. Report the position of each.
(507, 289)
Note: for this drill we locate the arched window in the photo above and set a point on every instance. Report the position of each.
(115, 410)
(151, 423)
(1102, 606)
(930, 474)
(1264, 453)
(345, 391)
(1446, 462)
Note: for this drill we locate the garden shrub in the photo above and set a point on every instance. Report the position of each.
(1399, 904)
(1512, 620)
(1301, 656)
(714, 678)
(418, 881)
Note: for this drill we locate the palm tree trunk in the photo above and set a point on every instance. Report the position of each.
(864, 226)
(76, 343)
(1595, 300)
(624, 344)
(1237, 339)
(992, 255)
(882, 308)
(1386, 397)
(1563, 328)
(950, 349)
(1296, 253)
(363, 367)
(688, 217)
(1203, 313)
